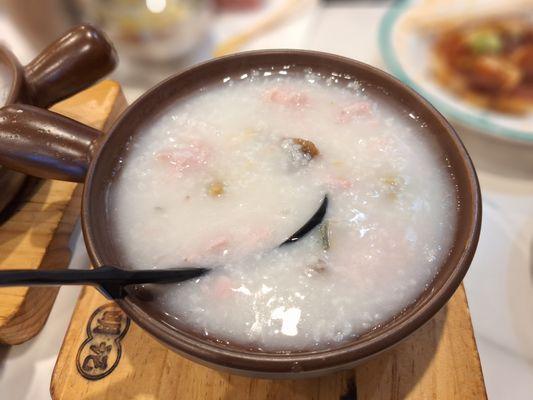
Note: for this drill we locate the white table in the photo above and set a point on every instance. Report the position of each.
(499, 284)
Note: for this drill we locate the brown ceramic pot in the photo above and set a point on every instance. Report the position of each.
(75, 152)
(76, 60)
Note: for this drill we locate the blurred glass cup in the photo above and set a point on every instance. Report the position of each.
(151, 30)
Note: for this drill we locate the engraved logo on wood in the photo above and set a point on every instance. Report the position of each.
(100, 353)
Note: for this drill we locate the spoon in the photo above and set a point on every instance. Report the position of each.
(108, 279)
(111, 280)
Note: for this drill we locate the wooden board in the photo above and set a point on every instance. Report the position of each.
(37, 235)
(106, 357)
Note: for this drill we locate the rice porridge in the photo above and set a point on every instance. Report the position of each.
(221, 178)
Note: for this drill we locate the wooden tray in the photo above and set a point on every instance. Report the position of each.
(105, 356)
(38, 233)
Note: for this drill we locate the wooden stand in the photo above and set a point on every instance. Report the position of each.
(37, 235)
(106, 357)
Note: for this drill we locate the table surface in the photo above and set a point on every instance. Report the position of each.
(499, 284)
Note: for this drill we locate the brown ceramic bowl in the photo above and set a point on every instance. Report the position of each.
(79, 155)
(73, 62)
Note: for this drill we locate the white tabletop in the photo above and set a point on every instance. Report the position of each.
(500, 281)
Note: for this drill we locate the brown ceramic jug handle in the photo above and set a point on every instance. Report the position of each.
(75, 61)
(41, 143)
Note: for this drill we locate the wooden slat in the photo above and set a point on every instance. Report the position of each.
(439, 361)
(37, 235)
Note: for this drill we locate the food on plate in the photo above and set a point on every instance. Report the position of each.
(488, 62)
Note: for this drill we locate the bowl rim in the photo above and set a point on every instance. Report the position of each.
(476, 120)
(312, 363)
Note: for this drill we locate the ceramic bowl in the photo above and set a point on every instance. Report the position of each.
(90, 157)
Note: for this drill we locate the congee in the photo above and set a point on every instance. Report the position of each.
(225, 175)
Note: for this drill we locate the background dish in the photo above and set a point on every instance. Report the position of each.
(406, 51)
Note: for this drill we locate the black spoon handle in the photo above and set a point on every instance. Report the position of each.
(110, 279)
